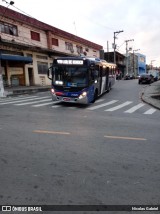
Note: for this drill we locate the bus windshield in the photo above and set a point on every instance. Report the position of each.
(70, 76)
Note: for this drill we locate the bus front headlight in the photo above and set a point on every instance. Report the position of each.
(84, 94)
(52, 91)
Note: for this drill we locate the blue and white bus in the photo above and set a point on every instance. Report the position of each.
(80, 79)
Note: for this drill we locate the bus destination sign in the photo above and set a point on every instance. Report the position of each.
(70, 62)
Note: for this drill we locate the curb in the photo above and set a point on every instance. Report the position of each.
(150, 97)
(25, 91)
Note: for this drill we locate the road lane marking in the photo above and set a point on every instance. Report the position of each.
(99, 100)
(32, 102)
(150, 111)
(51, 132)
(43, 104)
(102, 105)
(134, 108)
(10, 99)
(119, 106)
(21, 100)
(124, 138)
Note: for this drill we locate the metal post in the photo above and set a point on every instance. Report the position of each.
(2, 94)
(114, 45)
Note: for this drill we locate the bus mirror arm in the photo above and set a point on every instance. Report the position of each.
(49, 73)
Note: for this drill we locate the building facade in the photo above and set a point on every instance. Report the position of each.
(120, 61)
(141, 63)
(28, 47)
(136, 64)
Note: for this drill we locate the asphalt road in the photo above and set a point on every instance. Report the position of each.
(73, 154)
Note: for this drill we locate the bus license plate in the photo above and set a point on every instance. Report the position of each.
(66, 99)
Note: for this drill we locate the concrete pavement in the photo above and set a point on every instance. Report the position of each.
(151, 94)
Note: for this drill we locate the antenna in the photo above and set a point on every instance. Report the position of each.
(75, 27)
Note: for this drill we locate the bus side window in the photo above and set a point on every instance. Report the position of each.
(103, 72)
(94, 74)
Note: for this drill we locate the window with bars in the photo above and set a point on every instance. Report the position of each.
(79, 49)
(8, 29)
(35, 36)
(69, 46)
(42, 67)
(55, 42)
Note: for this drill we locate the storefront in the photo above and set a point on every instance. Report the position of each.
(13, 69)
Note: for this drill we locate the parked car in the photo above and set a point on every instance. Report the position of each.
(155, 74)
(146, 78)
(127, 77)
(132, 76)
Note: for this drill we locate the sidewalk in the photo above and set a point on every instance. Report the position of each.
(18, 90)
(151, 94)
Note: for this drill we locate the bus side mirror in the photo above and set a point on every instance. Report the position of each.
(49, 73)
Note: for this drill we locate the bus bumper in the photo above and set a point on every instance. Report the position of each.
(83, 100)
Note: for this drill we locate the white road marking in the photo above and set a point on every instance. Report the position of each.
(55, 106)
(102, 105)
(99, 100)
(134, 108)
(37, 101)
(21, 100)
(119, 106)
(16, 98)
(150, 111)
(43, 104)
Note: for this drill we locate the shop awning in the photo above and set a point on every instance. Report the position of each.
(8, 57)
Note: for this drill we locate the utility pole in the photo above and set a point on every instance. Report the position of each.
(127, 54)
(152, 63)
(2, 93)
(114, 45)
(134, 70)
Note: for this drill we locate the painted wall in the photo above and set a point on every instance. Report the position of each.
(141, 63)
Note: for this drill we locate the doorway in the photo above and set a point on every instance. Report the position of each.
(30, 76)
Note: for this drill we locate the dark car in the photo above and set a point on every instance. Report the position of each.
(132, 77)
(146, 78)
(127, 77)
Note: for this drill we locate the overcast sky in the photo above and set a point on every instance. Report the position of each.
(97, 20)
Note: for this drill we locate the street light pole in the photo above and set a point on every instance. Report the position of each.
(2, 93)
(127, 54)
(114, 45)
(152, 63)
(134, 70)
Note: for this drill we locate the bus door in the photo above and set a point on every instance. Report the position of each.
(100, 78)
(107, 78)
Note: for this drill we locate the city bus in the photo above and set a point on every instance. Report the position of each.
(80, 79)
